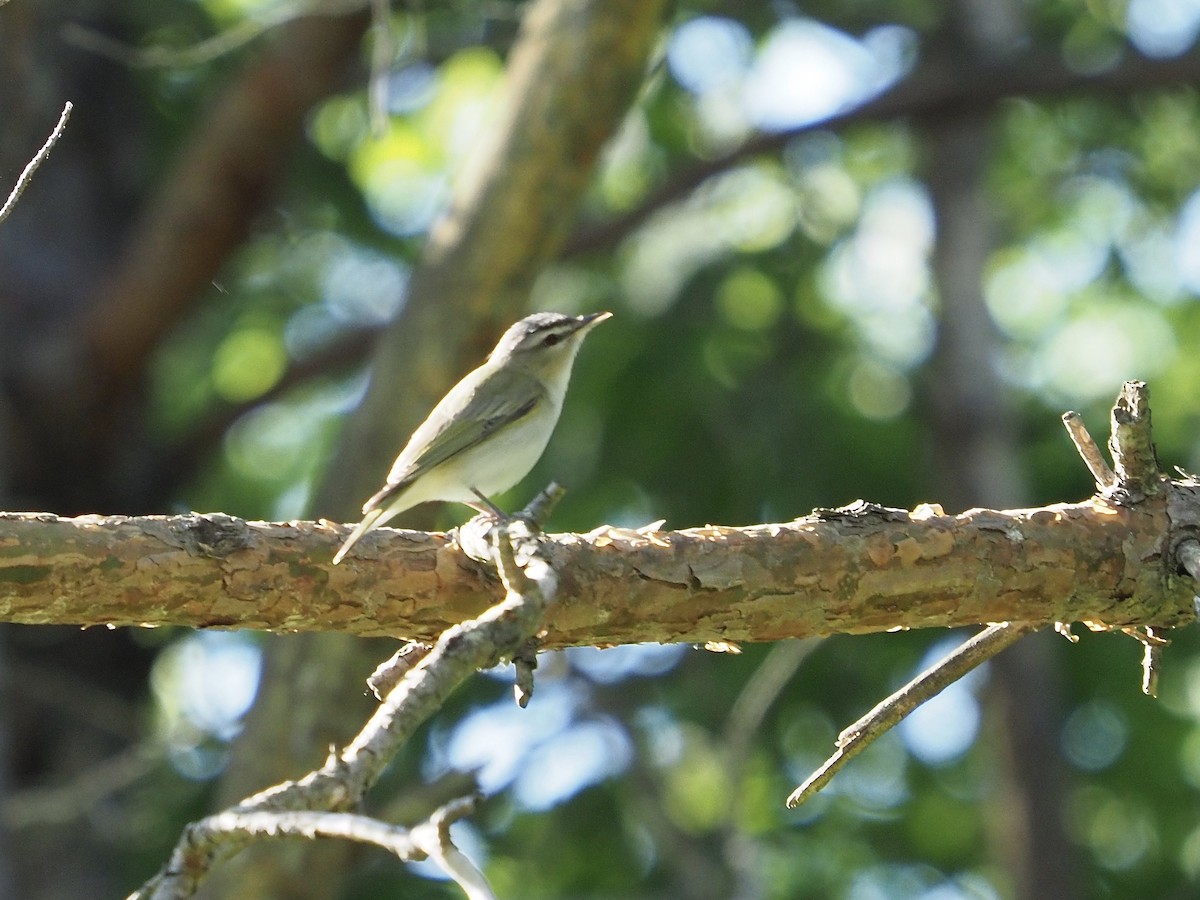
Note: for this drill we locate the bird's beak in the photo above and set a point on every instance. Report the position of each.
(593, 319)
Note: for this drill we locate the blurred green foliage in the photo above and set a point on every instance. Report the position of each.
(771, 353)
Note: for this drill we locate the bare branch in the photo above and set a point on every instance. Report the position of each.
(389, 672)
(1151, 662)
(1152, 648)
(1132, 444)
(1088, 449)
(205, 842)
(207, 50)
(853, 570)
(501, 631)
(27, 174)
(433, 838)
(938, 88)
(888, 713)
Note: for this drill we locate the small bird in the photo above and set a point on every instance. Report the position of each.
(486, 434)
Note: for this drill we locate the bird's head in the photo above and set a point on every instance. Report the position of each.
(545, 343)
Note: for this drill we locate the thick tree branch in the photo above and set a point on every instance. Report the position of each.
(859, 569)
(1117, 560)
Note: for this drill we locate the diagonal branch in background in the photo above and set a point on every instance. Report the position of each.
(499, 632)
(178, 463)
(569, 82)
(224, 179)
(937, 88)
(38, 158)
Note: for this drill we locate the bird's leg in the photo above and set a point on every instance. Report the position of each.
(487, 507)
(475, 536)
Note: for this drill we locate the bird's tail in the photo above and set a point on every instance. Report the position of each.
(369, 521)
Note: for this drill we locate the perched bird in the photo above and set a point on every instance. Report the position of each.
(486, 434)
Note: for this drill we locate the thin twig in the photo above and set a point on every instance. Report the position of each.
(389, 673)
(1088, 449)
(761, 690)
(159, 57)
(475, 536)
(434, 839)
(539, 508)
(525, 663)
(38, 159)
(83, 794)
(1151, 660)
(430, 839)
(856, 738)
(204, 51)
(1152, 647)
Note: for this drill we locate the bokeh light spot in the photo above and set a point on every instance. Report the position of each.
(1094, 736)
(248, 363)
(749, 299)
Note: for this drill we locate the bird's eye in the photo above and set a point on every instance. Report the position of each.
(551, 339)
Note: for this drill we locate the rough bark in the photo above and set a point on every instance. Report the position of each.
(856, 570)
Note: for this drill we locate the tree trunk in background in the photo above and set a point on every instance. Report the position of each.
(53, 249)
(571, 77)
(976, 456)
